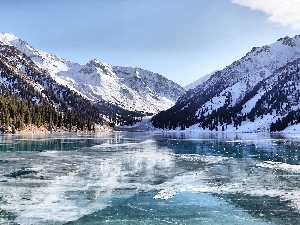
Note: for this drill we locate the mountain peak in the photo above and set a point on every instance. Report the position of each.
(7, 38)
(7, 33)
(98, 64)
(93, 65)
(287, 41)
(95, 61)
(10, 39)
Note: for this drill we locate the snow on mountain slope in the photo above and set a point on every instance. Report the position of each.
(230, 98)
(257, 65)
(130, 88)
(21, 78)
(45, 61)
(51, 63)
(198, 82)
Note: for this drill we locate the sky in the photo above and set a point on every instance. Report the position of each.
(182, 40)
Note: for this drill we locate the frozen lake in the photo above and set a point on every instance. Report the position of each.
(150, 178)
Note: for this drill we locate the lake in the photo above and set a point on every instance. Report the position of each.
(150, 178)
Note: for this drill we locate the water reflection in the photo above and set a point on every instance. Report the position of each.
(266, 147)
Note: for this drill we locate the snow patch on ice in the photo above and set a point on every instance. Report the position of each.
(111, 145)
(165, 194)
(202, 158)
(280, 166)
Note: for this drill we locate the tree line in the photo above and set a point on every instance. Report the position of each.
(15, 114)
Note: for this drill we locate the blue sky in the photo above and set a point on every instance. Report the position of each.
(180, 39)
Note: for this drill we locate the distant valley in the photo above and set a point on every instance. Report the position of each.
(258, 93)
(120, 95)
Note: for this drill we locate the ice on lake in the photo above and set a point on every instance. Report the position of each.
(150, 178)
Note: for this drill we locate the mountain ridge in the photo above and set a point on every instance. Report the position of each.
(215, 103)
(143, 93)
(29, 94)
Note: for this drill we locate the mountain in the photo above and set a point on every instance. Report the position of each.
(29, 95)
(259, 92)
(122, 89)
(133, 89)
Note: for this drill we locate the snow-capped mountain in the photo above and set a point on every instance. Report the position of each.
(132, 89)
(22, 79)
(250, 95)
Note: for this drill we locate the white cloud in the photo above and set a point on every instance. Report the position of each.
(285, 12)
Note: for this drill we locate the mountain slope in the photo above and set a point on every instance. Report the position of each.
(131, 89)
(21, 79)
(237, 97)
(198, 82)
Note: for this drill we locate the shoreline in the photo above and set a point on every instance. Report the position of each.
(32, 129)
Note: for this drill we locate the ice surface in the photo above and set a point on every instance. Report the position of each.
(56, 186)
(67, 185)
(280, 166)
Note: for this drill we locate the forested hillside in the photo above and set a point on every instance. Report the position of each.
(30, 96)
(16, 114)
